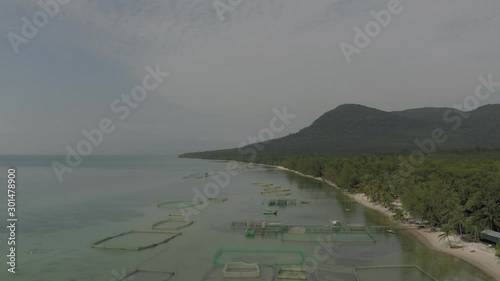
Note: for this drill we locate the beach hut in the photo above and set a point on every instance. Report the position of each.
(490, 236)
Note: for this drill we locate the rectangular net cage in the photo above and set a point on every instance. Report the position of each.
(329, 234)
(247, 272)
(392, 272)
(147, 275)
(261, 257)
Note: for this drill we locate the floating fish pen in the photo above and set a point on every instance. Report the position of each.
(295, 272)
(273, 190)
(397, 272)
(252, 224)
(261, 257)
(283, 202)
(178, 204)
(328, 234)
(325, 272)
(243, 168)
(135, 240)
(276, 192)
(217, 199)
(266, 273)
(306, 229)
(308, 233)
(259, 227)
(342, 237)
(174, 222)
(146, 275)
(305, 202)
(260, 184)
(177, 217)
(241, 270)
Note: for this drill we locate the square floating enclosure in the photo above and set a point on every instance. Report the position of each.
(294, 272)
(266, 273)
(398, 272)
(329, 234)
(241, 270)
(145, 275)
(262, 257)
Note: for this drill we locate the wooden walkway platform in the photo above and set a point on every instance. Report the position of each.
(276, 227)
(306, 202)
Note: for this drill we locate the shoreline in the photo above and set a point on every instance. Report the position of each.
(475, 254)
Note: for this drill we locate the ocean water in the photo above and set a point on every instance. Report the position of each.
(109, 195)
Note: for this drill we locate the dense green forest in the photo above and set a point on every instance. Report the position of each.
(458, 191)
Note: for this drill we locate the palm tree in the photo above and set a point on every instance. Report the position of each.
(473, 227)
(446, 231)
(491, 212)
(457, 218)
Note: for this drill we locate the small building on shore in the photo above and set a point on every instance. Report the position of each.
(490, 236)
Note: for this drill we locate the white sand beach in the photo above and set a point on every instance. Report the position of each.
(479, 255)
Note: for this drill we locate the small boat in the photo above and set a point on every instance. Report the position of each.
(250, 233)
(335, 223)
(391, 231)
(270, 212)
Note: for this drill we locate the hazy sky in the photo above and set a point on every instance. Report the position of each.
(227, 75)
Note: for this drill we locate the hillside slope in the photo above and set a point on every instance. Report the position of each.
(355, 129)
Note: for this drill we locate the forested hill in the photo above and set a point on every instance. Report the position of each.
(356, 129)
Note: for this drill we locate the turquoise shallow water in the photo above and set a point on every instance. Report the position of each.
(108, 195)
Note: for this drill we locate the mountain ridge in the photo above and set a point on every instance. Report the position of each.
(357, 129)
